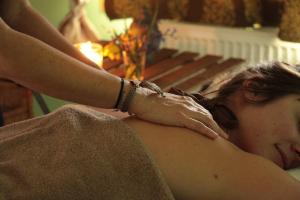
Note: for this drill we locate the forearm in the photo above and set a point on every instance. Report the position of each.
(40, 67)
(22, 17)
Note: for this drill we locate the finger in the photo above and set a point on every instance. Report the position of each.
(296, 148)
(208, 120)
(199, 127)
(214, 126)
(204, 116)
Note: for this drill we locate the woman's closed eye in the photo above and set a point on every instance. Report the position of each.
(296, 160)
(296, 149)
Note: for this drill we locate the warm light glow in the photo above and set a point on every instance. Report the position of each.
(92, 51)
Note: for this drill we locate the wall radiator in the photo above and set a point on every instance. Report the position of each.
(253, 45)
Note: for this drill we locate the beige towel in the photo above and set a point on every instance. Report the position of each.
(76, 153)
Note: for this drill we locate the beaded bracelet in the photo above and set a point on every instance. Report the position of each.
(123, 103)
(120, 95)
(130, 95)
(153, 87)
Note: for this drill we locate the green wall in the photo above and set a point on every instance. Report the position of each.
(55, 11)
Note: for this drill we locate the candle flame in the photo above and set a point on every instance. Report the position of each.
(92, 51)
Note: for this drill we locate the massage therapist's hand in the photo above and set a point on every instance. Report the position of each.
(174, 110)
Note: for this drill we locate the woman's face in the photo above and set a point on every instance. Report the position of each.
(271, 130)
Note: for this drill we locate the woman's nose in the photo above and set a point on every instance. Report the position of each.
(296, 148)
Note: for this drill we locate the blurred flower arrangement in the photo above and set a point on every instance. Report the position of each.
(133, 49)
(137, 45)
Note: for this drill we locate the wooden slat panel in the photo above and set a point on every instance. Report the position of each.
(159, 56)
(117, 71)
(161, 67)
(168, 64)
(110, 64)
(162, 55)
(186, 71)
(114, 66)
(210, 74)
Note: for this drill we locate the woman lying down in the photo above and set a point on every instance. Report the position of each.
(78, 153)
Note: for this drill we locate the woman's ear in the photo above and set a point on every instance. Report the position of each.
(250, 94)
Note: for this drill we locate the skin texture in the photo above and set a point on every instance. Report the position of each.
(265, 128)
(193, 166)
(196, 168)
(52, 58)
(20, 16)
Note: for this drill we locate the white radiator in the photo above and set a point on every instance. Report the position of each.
(254, 46)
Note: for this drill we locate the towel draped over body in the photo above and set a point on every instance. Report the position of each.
(77, 153)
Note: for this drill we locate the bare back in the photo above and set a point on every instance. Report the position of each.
(199, 168)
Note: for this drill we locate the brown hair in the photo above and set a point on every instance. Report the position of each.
(269, 80)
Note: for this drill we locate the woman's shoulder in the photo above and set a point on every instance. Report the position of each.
(177, 135)
(195, 166)
(186, 158)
